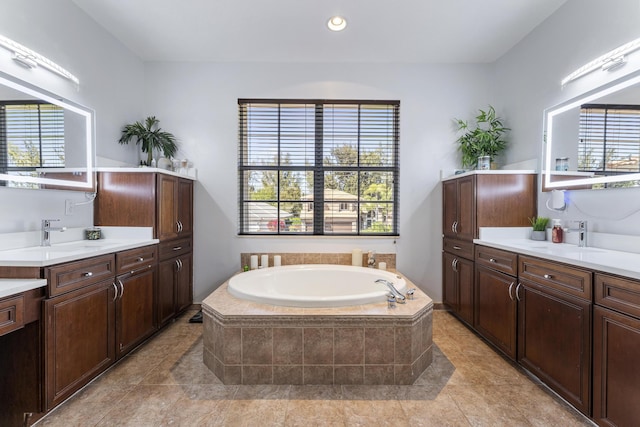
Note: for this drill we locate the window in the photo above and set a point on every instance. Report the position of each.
(609, 139)
(31, 136)
(303, 164)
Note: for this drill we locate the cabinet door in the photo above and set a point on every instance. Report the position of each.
(458, 285)
(167, 207)
(79, 339)
(135, 316)
(449, 281)
(616, 376)
(450, 207)
(496, 309)
(166, 307)
(184, 288)
(466, 226)
(554, 341)
(185, 206)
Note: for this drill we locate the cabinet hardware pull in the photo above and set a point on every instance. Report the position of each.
(518, 292)
(457, 248)
(492, 260)
(178, 265)
(454, 264)
(140, 259)
(510, 289)
(548, 276)
(88, 274)
(177, 248)
(121, 288)
(180, 228)
(115, 288)
(140, 269)
(455, 226)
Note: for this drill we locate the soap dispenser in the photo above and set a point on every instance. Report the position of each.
(556, 231)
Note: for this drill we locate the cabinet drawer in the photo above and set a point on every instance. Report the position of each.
(175, 248)
(571, 280)
(458, 247)
(136, 259)
(11, 314)
(618, 294)
(63, 278)
(504, 261)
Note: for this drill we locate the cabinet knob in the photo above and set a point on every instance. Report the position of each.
(140, 259)
(88, 274)
(548, 276)
(492, 260)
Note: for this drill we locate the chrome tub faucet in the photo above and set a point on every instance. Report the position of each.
(400, 299)
(371, 259)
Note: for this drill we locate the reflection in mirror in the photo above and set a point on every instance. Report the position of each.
(45, 141)
(593, 141)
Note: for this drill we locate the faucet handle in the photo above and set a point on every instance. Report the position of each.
(410, 293)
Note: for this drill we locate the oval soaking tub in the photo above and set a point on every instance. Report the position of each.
(315, 285)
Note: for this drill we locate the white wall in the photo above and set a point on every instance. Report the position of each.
(528, 81)
(198, 103)
(111, 83)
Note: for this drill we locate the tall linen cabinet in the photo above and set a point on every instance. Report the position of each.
(470, 201)
(163, 201)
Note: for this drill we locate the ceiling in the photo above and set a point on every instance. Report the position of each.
(396, 31)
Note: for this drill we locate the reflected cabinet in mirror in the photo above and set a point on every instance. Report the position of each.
(46, 142)
(593, 141)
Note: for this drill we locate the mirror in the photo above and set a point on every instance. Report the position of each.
(46, 142)
(593, 141)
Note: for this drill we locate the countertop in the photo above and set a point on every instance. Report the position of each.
(609, 261)
(42, 256)
(10, 287)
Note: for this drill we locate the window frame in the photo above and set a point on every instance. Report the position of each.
(319, 204)
(4, 146)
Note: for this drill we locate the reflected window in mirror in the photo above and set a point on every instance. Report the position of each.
(31, 137)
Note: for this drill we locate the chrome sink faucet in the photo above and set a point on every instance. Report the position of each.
(45, 239)
(400, 299)
(582, 233)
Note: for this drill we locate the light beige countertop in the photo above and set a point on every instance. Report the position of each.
(10, 287)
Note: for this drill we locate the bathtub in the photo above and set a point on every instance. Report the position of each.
(315, 285)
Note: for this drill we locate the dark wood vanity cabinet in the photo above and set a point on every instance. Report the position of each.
(616, 347)
(136, 303)
(175, 290)
(79, 339)
(97, 320)
(175, 200)
(457, 273)
(495, 303)
(470, 202)
(146, 199)
(20, 357)
(554, 327)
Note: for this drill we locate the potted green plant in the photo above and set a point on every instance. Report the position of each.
(485, 139)
(150, 137)
(539, 226)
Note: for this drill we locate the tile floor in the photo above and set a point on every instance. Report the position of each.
(165, 383)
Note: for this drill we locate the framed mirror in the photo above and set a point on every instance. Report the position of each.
(593, 140)
(46, 142)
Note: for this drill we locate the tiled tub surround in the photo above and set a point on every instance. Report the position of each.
(319, 258)
(252, 343)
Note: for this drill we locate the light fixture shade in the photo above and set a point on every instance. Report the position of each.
(337, 23)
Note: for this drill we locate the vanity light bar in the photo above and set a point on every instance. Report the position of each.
(614, 57)
(29, 58)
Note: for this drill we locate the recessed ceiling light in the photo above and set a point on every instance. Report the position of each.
(337, 23)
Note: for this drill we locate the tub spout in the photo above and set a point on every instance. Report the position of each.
(400, 299)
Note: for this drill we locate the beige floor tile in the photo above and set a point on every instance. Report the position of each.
(165, 383)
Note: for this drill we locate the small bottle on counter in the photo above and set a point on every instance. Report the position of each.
(557, 235)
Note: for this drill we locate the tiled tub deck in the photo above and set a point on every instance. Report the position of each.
(252, 343)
